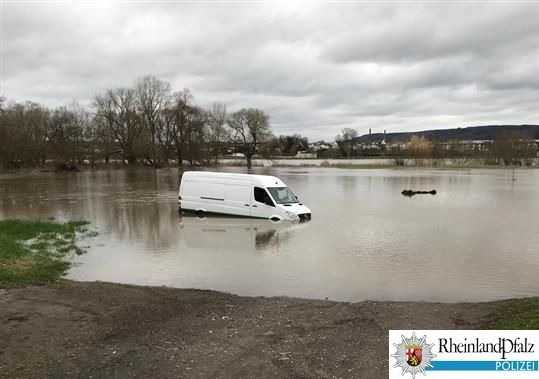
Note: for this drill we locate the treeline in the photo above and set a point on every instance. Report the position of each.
(508, 145)
(147, 123)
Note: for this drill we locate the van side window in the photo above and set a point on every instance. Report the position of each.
(262, 196)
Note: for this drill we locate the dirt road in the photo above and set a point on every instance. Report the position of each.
(102, 330)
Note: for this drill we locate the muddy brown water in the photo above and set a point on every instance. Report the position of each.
(476, 239)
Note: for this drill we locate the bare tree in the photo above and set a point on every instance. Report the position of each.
(505, 146)
(197, 136)
(189, 129)
(65, 136)
(23, 132)
(153, 96)
(118, 110)
(181, 115)
(291, 144)
(249, 127)
(217, 131)
(166, 135)
(346, 134)
(344, 141)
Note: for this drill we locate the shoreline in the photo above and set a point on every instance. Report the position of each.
(97, 329)
(377, 163)
(342, 163)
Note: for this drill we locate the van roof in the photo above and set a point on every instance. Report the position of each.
(261, 180)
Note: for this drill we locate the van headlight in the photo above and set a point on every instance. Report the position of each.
(292, 215)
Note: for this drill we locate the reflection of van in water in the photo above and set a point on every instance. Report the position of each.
(220, 233)
(246, 195)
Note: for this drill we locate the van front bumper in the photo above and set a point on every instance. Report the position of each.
(304, 217)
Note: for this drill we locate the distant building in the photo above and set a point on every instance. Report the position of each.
(305, 155)
(320, 145)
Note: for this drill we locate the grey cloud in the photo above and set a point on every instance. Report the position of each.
(314, 68)
(420, 32)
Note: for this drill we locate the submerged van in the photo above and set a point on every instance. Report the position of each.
(258, 196)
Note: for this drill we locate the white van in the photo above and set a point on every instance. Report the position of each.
(258, 196)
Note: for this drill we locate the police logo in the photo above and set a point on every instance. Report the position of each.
(413, 355)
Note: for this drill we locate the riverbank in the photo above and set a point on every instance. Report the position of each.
(385, 163)
(359, 163)
(104, 330)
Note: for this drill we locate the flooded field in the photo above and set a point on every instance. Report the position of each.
(476, 239)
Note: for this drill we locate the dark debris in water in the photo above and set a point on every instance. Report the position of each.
(410, 193)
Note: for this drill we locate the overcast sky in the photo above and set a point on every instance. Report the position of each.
(315, 68)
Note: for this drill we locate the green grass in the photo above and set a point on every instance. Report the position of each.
(34, 252)
(517, 314)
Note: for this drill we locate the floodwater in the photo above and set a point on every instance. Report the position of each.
(476, 239)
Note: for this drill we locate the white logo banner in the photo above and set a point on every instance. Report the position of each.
(470, 354)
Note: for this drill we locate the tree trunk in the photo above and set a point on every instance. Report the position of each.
(249, 161)
(130, 158)
(180, 158)
(153, 152)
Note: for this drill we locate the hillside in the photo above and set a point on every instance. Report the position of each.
(487, 132)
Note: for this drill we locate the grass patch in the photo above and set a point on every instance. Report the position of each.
(517, 314)
(34, 252)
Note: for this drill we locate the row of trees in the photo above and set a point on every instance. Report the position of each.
(149, 123)
(144, 123)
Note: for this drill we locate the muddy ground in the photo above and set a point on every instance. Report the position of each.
(103, 330)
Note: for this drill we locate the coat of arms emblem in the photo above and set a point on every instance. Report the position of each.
(413, 355)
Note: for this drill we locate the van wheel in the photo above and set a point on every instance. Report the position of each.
(200, 213)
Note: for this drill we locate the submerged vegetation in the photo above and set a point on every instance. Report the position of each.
(34, 252)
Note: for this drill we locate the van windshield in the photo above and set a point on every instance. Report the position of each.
(283, 195)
